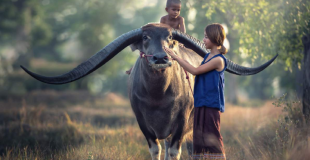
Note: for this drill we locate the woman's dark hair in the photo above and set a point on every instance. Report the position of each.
(216, 34)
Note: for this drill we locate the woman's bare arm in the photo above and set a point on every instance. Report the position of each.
(216, 63)
(211, 65)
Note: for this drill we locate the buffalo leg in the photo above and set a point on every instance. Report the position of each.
(189, 136)
(167, 146)
(154, 148)
(154, 145)
(177, 139)
(189, 146)
(174, 150)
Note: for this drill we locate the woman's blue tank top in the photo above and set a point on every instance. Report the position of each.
(209, 87)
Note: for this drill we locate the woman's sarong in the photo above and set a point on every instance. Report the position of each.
(207, 139)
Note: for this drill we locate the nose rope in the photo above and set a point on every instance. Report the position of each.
(143, 55)
(187, 77)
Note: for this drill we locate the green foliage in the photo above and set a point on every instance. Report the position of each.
(257, 31)
(266, 27)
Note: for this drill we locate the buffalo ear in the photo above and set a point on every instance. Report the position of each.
(136, 46)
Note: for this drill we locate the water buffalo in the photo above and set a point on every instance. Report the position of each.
(159, 92)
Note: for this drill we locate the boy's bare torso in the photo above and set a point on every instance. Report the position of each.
(174, 23)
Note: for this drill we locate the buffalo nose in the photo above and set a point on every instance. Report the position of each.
(160, 60)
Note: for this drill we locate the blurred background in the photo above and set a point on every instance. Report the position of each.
(51, 37)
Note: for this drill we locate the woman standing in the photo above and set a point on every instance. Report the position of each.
(208, 94)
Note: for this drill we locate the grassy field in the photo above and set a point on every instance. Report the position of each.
(77, 125)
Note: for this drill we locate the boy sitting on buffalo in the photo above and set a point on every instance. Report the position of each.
(173, 18)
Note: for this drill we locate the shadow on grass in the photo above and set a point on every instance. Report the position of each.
(23, 128)
(46, 139)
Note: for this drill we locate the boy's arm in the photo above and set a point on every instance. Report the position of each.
(182, 25)
(162, 20)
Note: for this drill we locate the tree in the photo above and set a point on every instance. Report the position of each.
(259, 29)
(18, 18)
(306, 77)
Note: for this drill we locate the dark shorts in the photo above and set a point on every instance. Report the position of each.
(207, 137)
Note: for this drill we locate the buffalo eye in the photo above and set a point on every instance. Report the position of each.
(144, 38)
(170, 37)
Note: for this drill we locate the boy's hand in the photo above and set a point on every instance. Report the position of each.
(170, 52)
(181, 45)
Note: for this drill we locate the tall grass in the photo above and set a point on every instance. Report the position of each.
(105, 128)
(276, 132)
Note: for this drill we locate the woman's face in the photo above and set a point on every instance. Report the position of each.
(207, 41)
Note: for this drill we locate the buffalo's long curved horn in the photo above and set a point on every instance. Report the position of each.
(199, 48)
(94, 62)
(246, 71)
(190, 42)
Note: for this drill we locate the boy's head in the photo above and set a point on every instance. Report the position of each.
(216, 34)
(173, 7)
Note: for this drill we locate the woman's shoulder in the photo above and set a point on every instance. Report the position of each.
(220, 57)
(221, 62)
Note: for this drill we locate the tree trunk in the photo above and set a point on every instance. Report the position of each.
(232, 80)
(306, 77)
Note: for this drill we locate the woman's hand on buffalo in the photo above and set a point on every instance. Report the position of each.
(170, 52)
